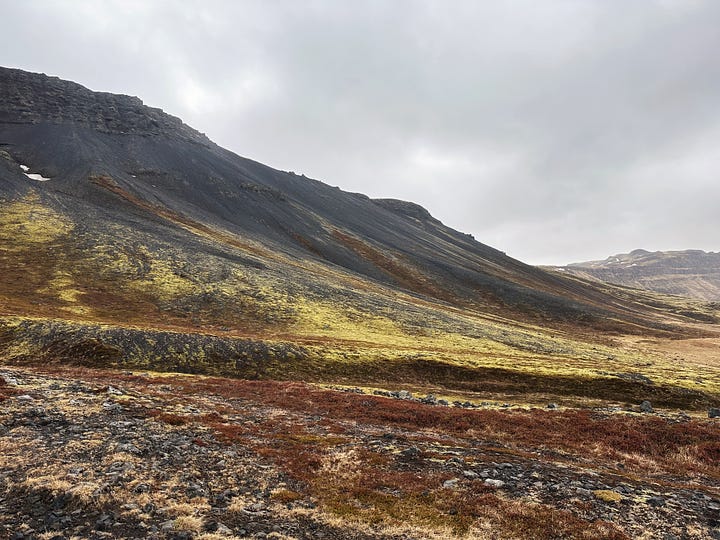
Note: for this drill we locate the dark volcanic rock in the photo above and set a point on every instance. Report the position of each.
(32, 99)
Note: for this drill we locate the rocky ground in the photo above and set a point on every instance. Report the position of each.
(91, 454)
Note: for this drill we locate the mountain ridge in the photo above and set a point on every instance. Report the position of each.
(692, 272)
(208, 184)
(28, 98)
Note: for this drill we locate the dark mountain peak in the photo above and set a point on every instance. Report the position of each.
(34, 98)
(639, 252)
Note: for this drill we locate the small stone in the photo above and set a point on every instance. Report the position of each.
(104, 522)
(128, 448)
(410, 454)
(492, 482)
(656, 501)
(25, 398)
(646, 407)
(404, 394)
(223, 530)
(167, 526)
(112, 407)
(472, 475)
(10, 381)
(552, 406)
(149, 508)
(450, 484)
(714, 412)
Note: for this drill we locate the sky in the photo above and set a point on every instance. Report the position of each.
(555, 130)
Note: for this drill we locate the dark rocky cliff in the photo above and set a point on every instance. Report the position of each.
(29, 98)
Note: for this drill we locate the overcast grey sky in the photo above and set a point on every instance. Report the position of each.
(554, 130)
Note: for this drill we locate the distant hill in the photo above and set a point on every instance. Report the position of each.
(693, 273)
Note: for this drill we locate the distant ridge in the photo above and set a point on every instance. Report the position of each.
(692, 273)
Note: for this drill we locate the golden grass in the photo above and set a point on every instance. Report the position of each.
(608, 496)
(188, 523)
(134, 284)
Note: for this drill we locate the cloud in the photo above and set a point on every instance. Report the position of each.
(554, 131)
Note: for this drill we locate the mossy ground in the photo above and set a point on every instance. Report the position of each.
(107, 294)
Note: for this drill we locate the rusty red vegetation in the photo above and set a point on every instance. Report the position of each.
(168, 418)
(571, 431)
(6, 391)
(303, 439)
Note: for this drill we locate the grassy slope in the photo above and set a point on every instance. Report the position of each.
(110, 294)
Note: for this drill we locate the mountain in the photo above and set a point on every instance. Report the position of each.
(693, 273)
(196, 345)
(131, 239)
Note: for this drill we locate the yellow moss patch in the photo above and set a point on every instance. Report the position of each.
(607, 495)
(62, 286)
(163, 280)
(27, 222)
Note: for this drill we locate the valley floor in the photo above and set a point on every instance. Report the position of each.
(112, 454)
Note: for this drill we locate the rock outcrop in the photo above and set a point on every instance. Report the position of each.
(32, 99)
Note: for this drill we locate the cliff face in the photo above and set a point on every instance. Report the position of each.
(28, 98)
(692, 273)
